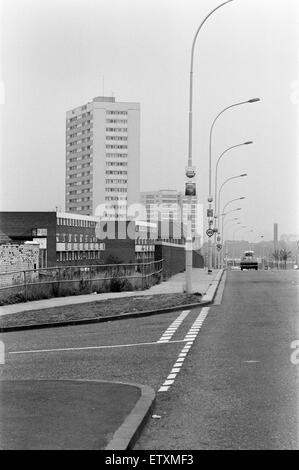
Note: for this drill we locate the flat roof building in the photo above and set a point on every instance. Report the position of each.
(172, 205)
(102, 158)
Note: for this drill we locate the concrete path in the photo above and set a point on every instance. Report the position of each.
(201, 281)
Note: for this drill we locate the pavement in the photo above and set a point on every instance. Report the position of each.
(201, 281)
(80, 414)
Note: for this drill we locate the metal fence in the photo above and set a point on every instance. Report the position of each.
(73, 280)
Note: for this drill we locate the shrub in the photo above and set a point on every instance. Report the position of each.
(116, 284)
(120, 285)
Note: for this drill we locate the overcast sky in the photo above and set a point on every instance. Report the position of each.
(55, 53)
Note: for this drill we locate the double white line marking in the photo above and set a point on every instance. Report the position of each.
(189, 339)
(168, 334)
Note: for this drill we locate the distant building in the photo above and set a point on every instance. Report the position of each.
(172, 205)
(102, 158)
(63, 239)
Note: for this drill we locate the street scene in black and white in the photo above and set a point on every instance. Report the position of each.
(149, 227)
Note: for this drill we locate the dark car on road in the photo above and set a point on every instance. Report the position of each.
(248, 261)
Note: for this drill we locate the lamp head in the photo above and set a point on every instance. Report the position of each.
(254, 100)
(244, 174)
(248, 143)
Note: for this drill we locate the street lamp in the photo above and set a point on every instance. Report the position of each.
(227, 204)
(238, 229)
(223, 215)
(210, 198)
(222, 222)
(253, 100)
(225, 182)
(230, 220)
(190, 171)
(216, 170)
(216, 176)
(233, 225)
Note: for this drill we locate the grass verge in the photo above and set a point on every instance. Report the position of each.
(100, 309)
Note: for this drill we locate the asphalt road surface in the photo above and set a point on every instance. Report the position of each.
(223, 375)
(239, 389)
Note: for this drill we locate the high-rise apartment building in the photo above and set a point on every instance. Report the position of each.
(103, 158)
(173, 205)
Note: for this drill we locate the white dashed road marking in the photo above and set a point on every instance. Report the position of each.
(168, 334)
(189, 338)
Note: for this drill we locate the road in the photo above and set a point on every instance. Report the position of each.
(223, 375)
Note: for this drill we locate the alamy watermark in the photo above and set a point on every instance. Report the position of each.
(295, 353)
(157, 220)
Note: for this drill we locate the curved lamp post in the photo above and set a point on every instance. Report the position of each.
(216, 170)
(216, 177)
(225, 182)
(222, 222)
(239, 228)
(223, 215)
(233, 225)
(210, 198)
(226, 205)
(190, 172)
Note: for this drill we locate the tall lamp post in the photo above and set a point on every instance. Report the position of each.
(224, 183)
(219, 239)
(245, 233)
(223, 239)
(217, 229)
(224, 208)
(221, 234)
(190, 170)
(210, 198)
(239, 228)
(216, 172)
(234, 225)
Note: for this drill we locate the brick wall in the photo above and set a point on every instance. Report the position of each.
(17, 258)
(18, 226)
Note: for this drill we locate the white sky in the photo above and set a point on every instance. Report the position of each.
(55, 53)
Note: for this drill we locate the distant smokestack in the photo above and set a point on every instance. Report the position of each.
(275, 237)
